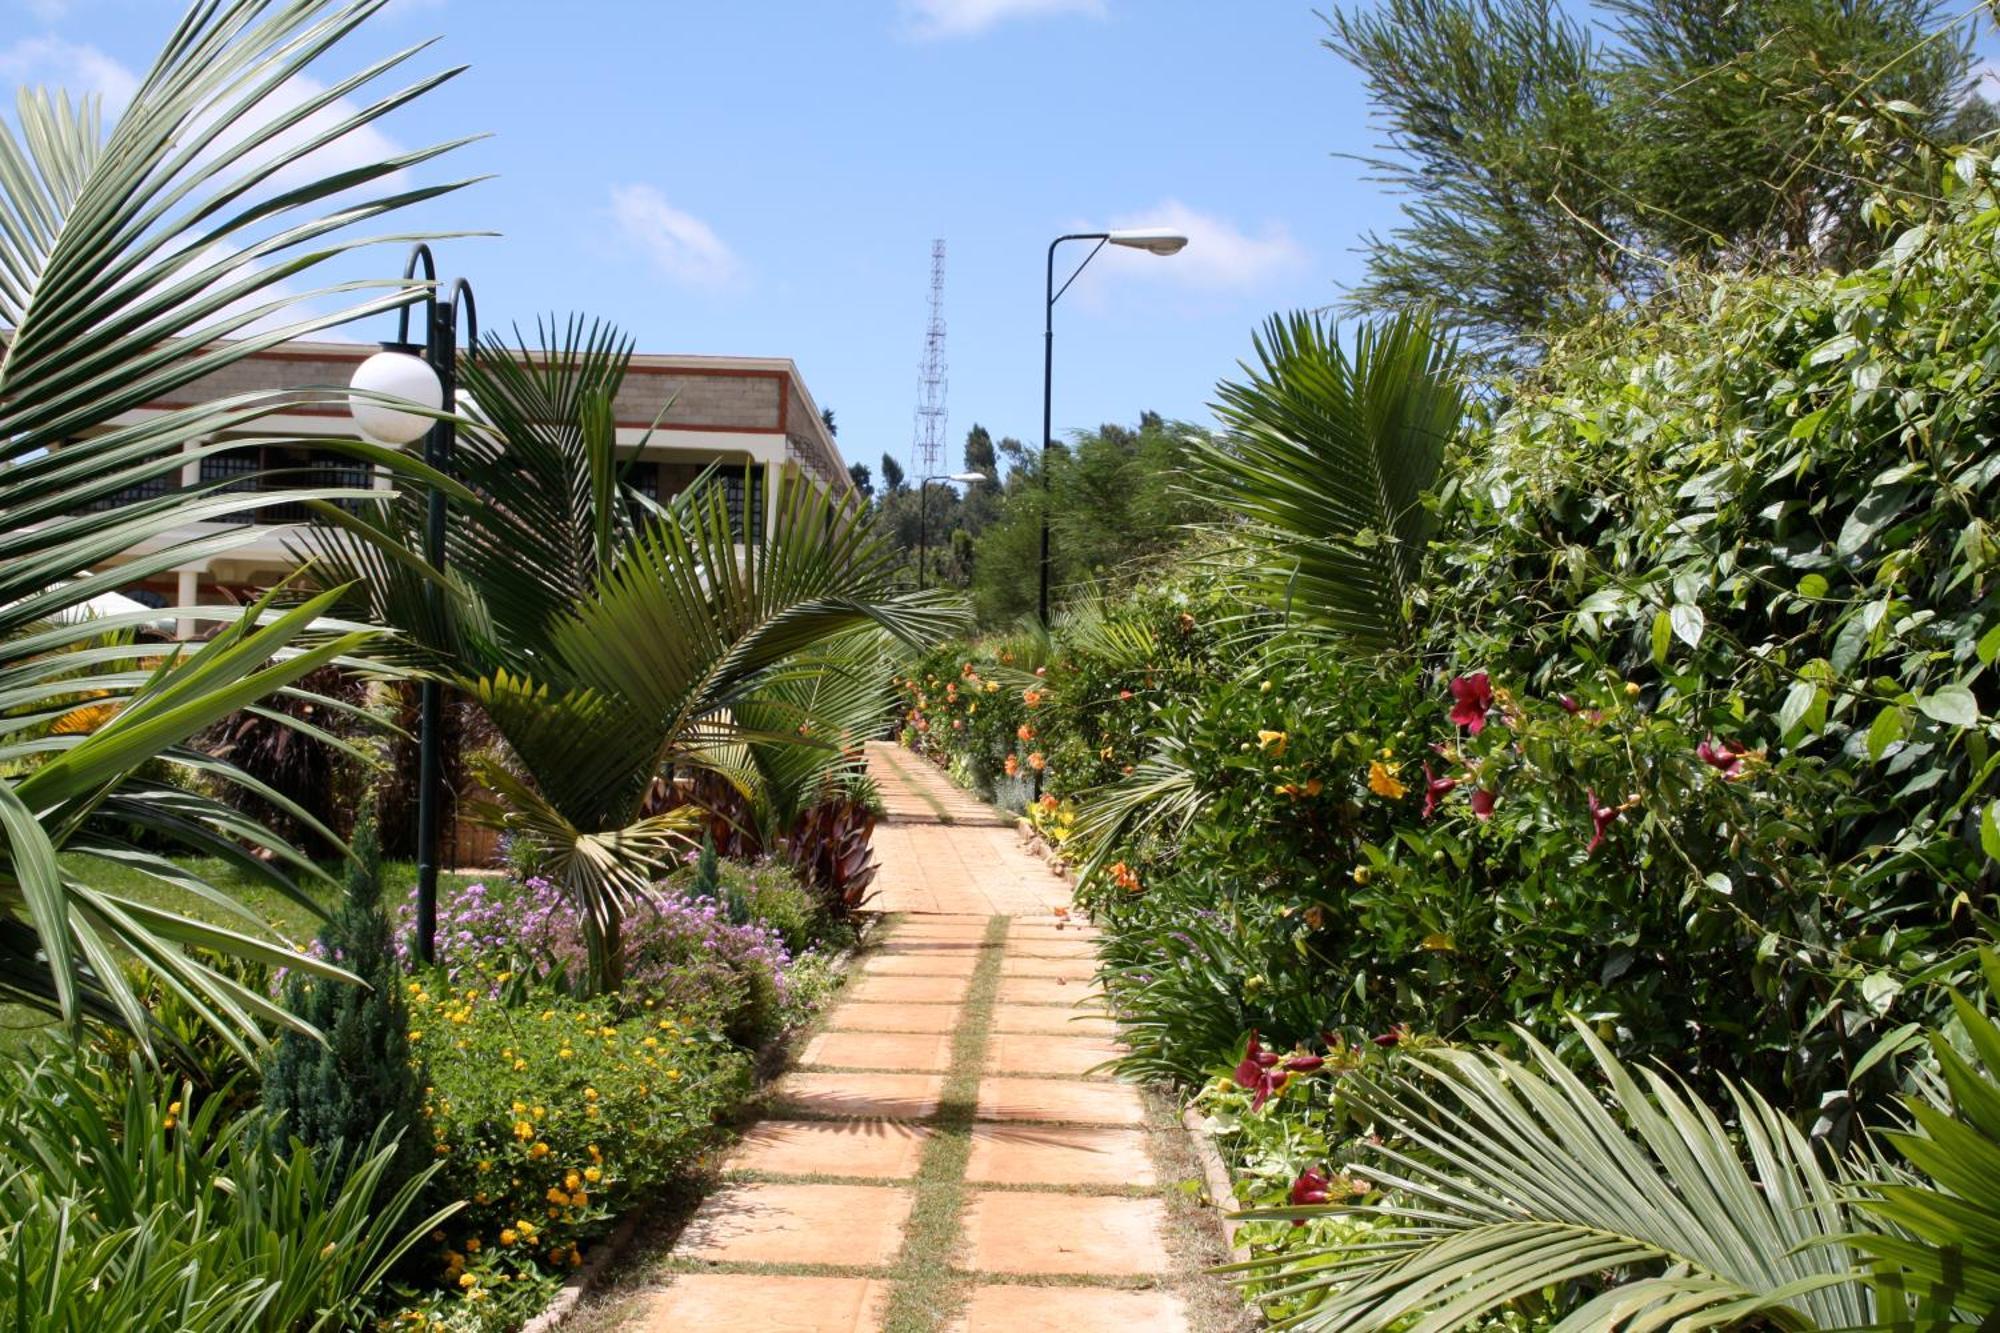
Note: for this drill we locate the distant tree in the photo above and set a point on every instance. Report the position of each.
(826, 418)
(892, 475)
(863, 482)
(1551, 177)
(979, 456)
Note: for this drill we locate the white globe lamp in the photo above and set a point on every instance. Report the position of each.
(395, 375)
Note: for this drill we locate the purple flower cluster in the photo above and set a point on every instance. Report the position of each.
(679, 949)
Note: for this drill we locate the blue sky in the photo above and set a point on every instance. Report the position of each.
(765, 179)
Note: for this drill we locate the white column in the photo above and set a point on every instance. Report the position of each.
(187, 594)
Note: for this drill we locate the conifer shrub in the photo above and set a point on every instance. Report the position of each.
(363, 1077)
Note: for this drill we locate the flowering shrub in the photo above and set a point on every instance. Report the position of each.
(680, 950)
(551, 1116)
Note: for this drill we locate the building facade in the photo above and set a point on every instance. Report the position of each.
(749, 416)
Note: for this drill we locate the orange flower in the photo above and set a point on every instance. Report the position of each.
(1125, 877)
(1382, 780)
(1025, 732)
(1032, 698)
(1012, 766)
(1037, 762)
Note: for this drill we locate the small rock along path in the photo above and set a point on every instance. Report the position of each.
(943, 1156)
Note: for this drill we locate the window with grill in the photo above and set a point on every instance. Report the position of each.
(663, 481)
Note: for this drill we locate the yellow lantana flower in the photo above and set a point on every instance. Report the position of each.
(1382, 780)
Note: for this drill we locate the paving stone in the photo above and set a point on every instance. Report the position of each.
(1053, 1020)
(771, 1223)
(777, 1304)
(887, 1096)
(1022, 1309)
(1022, 1053)
(1090, 1156)
(896, 947)
(923, 965)
(921, 1053)
(1050, 948)
(1047, 990)
(870, 1017)
(1067, 1234)
(1061, 969)
(1066, 1100)
(938, 932)
(879, 1148)
(909, 990)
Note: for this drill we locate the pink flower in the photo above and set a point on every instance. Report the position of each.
(1602, 817)
(1393, 1037)
(1305, 1064)
(1435, 790)
(1259, 1073)
(1570, 705)
(1309, 1190)
(1483, 802)
(1725, 757)
(1472, 699)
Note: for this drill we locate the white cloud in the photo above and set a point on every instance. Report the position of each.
(966, 18)
(54, 64)
(48, 11)
(1220, 256)
(680, 245)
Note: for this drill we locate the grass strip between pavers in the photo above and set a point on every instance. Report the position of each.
(917, 789)
(925, 1294)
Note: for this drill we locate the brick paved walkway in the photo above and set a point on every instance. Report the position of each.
(944, 1158)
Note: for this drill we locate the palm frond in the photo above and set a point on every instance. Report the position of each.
(1500, 1178)
(133, 263)
(1327, 459)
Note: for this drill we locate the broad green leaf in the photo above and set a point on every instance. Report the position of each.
(1663, 637)
(1689, 622)
(1885, 731)
(1952, 705)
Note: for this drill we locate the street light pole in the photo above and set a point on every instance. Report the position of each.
(1153, 240)
(389, 369)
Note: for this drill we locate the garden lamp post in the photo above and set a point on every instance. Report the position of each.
(923, 513)
(425, 374)
(1153, 240)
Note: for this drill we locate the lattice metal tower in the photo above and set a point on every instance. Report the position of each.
(928, 453)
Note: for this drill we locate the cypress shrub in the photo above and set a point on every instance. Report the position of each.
(335, 1093)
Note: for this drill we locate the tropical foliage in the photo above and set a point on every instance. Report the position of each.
(612, 639)
(140, 258)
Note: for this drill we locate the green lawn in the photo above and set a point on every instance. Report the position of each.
(284, 917)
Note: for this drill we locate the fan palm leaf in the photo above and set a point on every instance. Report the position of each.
(1501, 1178)
(1325, 465)
(135, 260)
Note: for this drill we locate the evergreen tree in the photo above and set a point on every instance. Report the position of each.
(1553, 178)
(892, 475)
(863, 482)
(336, 1093)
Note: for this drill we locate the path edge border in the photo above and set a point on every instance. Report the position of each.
(1215, 1180)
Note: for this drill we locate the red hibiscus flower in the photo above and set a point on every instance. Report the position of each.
(1310, 1189)
(1602, 817)
(1483, 802)
(1725, 757)
(1570, 705)
(1260, 1074)
(1435, 790)
(1472, 699)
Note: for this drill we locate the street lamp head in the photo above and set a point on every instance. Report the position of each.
(1153, 240)
(395, 374)
(968, 477)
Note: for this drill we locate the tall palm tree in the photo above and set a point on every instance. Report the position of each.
(611, 638)
(135, 260)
